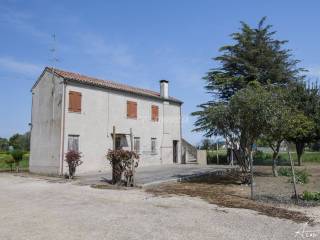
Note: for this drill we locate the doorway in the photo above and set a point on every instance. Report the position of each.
(175, 151)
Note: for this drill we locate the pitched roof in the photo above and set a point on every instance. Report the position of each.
(82, 79)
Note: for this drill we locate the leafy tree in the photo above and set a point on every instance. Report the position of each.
(255, 56)
(20, 141)
(279, 118)
(4, 145)
(206, 144)
(307, 103)
(17, 155)
(301, 129)
(241, 120)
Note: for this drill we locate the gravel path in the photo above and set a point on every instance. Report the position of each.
(33, 208)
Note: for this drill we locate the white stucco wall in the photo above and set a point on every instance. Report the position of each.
(46, 125)
(102, 109)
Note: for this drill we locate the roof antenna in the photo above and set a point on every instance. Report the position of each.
(54, 60)
(53, 51)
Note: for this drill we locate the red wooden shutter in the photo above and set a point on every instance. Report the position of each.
(131, 109)
(75, 101)
(71, 101)
(154, 113)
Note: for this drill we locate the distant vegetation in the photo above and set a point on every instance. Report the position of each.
(14, 152)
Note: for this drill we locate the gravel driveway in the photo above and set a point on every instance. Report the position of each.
(32, 208)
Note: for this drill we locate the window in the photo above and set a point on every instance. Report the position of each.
(73, 143)
(131, 109)
(74, 101)
(118, 142)
(154, 113)
(136, 144)
(153, 145)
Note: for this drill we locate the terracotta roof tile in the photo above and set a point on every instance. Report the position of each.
(108, 84)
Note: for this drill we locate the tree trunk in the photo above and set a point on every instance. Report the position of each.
(300, 148)
(275, 157)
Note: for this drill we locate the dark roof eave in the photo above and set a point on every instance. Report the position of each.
(122, 90)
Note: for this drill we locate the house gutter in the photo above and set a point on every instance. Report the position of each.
(62, 130)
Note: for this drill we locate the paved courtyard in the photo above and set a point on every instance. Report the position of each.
(35, 209)
(155, 174)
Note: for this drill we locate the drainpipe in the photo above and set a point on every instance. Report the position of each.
(62, 126)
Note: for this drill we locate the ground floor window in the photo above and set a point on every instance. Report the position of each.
(153, 145)
(73, 143)
(136, 144)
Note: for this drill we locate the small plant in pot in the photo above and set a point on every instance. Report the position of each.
(73, 158)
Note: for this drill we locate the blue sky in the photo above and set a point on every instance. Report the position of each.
(137, 43)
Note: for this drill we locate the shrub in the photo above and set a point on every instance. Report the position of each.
(17, 156)
(9, 161)
(73, 160)
(121, 161)
(311, 196)
(286, 172)
(302, 176)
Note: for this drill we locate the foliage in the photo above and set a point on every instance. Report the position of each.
(20, 141)
(311, 196)
(7, 156)
(251, 108)
(247, 90)
(206, 144)
(284, 171)
(121, 161)
(73, 159)
(10, 162)
(4, 144)
(17, 156)
(302, 176)
(255, 56)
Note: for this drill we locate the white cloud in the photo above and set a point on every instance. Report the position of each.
(19, 67)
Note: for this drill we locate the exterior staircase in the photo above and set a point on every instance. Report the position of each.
(189, 152)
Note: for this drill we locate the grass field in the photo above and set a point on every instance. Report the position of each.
(24, 164)
(266, 158)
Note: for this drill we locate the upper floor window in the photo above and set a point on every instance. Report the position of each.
(73, 143)
(74, 101)
(131, 109)
(154, 113)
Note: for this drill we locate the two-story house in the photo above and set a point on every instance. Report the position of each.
(76, 112)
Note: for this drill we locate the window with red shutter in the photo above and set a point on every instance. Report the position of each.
(154, 113)
(131, 109)
(74, 101)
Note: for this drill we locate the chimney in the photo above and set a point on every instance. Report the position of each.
(164, 88)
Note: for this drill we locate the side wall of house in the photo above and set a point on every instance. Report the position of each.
(46, 125)
(102, 109)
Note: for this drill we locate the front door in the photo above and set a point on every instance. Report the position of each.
(175, 151)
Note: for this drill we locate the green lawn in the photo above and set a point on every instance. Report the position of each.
(24, 164)
(266, 158)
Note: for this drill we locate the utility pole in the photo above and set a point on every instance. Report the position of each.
(132, 160)
(251, 175)
(217, 152)
(293, 173)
